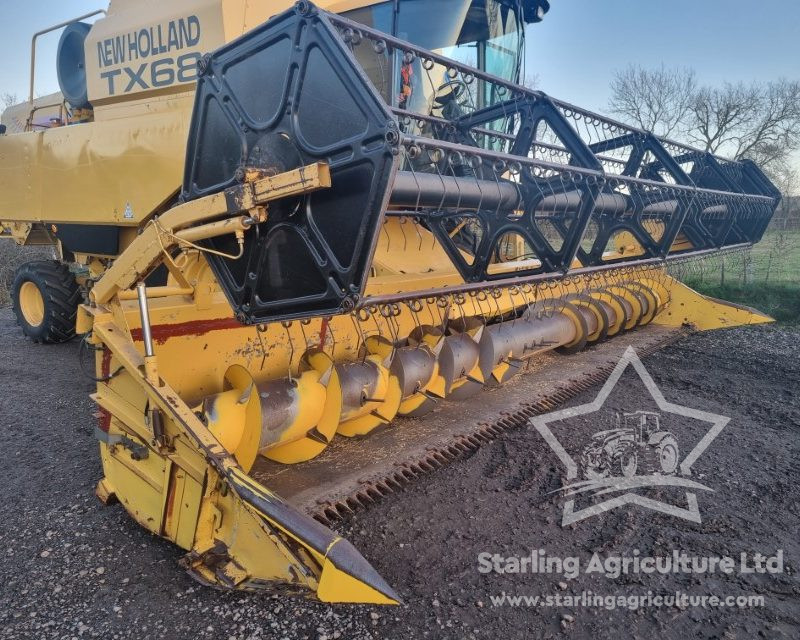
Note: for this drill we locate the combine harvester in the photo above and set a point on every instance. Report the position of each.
(278, 234)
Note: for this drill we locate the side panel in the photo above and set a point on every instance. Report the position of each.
(112, 171)
(138, 484)
(152, 46)
(141, 71)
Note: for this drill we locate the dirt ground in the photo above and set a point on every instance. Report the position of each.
(71, 568)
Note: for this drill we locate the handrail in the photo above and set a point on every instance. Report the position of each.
(29, 122)
(60, 25)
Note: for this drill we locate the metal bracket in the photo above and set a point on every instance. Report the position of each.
(138, 451)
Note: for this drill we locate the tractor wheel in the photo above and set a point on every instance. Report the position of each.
(45, 299)
(628, 462)
(594, 469)
(666, 454)
(595, 462)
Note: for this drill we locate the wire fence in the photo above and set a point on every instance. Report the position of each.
(773, 261)
(766, 276)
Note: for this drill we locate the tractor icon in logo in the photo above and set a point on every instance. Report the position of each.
(624, 464)
(638, 445)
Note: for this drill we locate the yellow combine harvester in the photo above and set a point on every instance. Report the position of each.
(280, 228)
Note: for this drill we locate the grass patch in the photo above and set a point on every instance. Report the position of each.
(779, 300)
(767, 278)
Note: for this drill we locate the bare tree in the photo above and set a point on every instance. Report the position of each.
(759, 121)
(531, 81)
(8, 99)
(787, 216)
(657, 100)
(718, 113)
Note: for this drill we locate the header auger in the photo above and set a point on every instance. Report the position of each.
(365, 230)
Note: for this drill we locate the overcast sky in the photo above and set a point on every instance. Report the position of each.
(574, 51)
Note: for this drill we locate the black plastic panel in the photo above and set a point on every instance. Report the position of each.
(96, 239)
(285, 95)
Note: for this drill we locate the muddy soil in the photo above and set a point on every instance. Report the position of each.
(72, 568)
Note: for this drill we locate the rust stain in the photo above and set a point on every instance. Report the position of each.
(163, 332)
(104, 420)
(323, 332)
(170, 502)
(250, 349)
(104, 417)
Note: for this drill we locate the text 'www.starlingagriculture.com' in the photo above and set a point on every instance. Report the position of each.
(589, 599)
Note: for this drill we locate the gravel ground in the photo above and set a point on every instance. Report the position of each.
(72, 568)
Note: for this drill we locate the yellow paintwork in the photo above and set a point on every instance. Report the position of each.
(704, 313)
(128, 163)
(160, 236)
(31, 303)
(96, 172)
(235, 421)
(337, 586)
(373, 412)
(319, 407)
(628, 295)
(152, 493)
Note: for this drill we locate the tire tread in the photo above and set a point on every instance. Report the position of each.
(62, 297)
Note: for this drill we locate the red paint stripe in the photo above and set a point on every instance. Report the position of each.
(163, 332)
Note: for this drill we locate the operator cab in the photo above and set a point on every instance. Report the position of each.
(486, 34)
(643, 423)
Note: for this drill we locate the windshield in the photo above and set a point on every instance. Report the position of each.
(486, 34)
(490, 40)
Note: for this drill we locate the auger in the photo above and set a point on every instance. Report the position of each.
(297, 237)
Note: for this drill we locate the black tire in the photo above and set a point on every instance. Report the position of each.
(664, 455)
(60, 295)
(627, 462)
